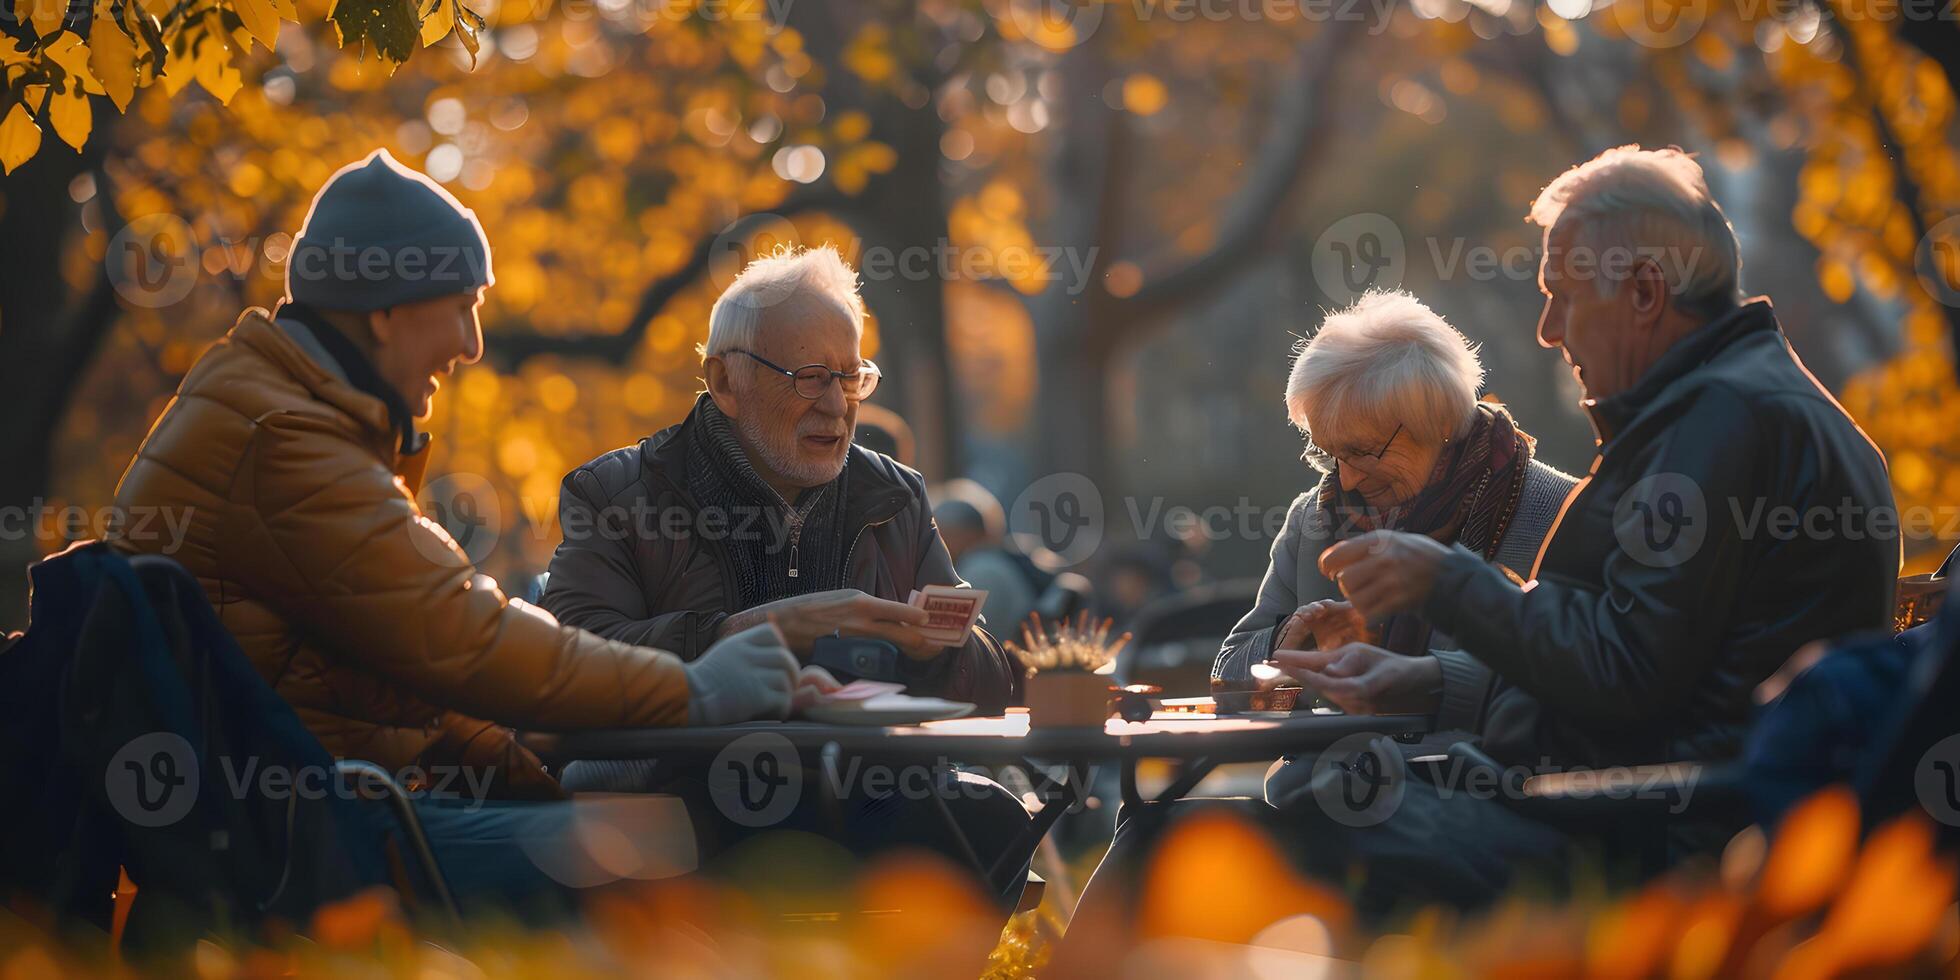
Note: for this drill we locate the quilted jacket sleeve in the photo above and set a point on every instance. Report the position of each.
(382, 586)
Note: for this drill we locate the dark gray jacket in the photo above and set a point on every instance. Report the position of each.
(641, 563)
(1671, 586)
(1293, 579)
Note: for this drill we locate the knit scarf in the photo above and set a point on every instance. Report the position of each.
(1469, 499)
(793, 550)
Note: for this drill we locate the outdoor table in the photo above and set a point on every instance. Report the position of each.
(1200, 741)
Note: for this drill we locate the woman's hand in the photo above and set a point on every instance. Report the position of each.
(1322, 625)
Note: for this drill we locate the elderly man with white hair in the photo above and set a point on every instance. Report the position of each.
(758, 507)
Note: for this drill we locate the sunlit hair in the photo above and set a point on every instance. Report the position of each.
(1650, 203)
(1388, 360)
(779, 288)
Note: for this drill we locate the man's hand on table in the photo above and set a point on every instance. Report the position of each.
(1367, 680)
(748, 676)
(804, 618)
(1385, 572)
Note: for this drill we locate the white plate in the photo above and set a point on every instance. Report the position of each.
(887, 709)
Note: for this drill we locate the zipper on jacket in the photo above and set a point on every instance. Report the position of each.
(852, 550)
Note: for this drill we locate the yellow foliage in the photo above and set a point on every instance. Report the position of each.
(19, 138)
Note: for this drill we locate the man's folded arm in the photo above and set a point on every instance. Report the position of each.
(1634, 651)
(595, 586)
(378, 584)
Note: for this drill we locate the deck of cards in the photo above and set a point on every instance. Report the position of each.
(954, 611)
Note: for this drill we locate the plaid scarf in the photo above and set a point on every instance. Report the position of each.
(1469, 499)
(807, 538)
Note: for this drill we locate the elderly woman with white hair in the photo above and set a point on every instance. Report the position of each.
(1386, 393)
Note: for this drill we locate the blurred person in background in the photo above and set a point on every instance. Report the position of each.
(882, 430)
(974, 528)
(292, 443)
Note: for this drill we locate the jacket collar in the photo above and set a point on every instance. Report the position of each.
(873, 494)
(351, 365)
(1611, 415)
(324, 380)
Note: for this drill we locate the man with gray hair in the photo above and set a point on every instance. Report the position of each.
(759, 508)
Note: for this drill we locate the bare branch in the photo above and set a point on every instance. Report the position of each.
(1256, 210)
(508, 349)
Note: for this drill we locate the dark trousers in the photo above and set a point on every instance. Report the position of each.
(536, 858)
(972, 822)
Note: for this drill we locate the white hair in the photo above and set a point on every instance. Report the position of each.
(1387, 360)
(1649, 203)
(792, 281)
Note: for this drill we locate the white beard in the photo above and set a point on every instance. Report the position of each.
(786, 461)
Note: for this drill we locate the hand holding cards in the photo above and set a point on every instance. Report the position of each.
(954, 610)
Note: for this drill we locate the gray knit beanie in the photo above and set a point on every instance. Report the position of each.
(380, 234)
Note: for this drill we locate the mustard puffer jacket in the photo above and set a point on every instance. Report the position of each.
(358, 610)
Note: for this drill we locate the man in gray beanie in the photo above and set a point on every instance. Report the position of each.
(292, 443)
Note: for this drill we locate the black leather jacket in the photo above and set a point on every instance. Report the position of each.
(1674, 581)
(632, 568)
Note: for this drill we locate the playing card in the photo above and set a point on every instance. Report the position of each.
(860, 690)
(954, 611)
